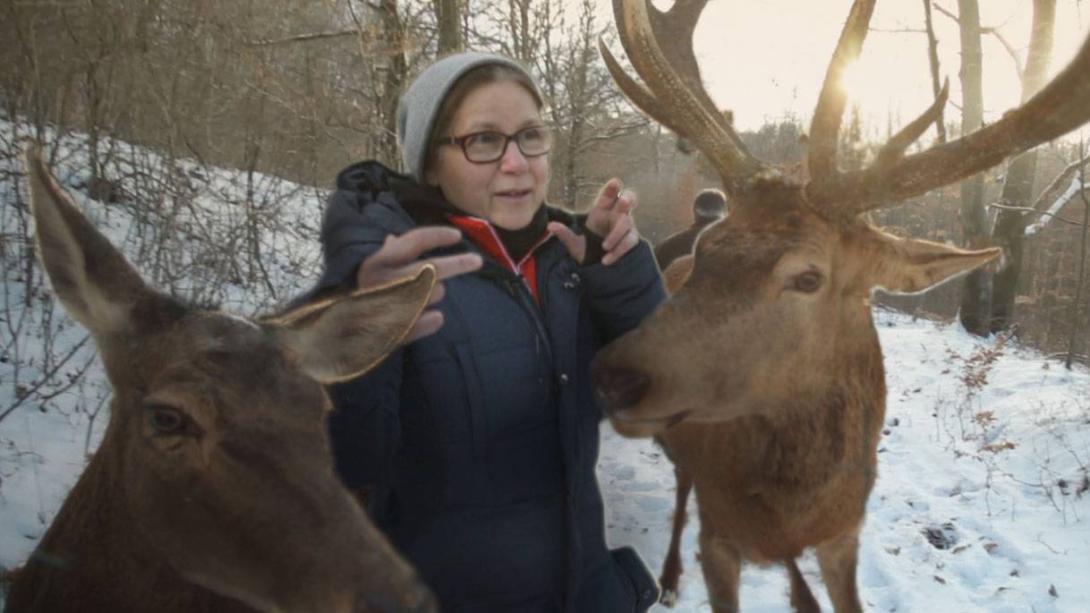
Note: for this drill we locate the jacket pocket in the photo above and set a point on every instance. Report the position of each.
(644, 586)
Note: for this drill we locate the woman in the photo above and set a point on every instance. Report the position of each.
(477, 442)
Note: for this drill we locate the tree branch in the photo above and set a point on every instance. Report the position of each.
(1026, 209)
(298, 38)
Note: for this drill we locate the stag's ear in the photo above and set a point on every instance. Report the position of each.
(677, 273)
(97, 286)
(340, 338)
(907, 266)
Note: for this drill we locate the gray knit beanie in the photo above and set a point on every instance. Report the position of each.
(418, 108)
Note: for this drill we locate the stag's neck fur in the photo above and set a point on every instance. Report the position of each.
(93, 557)
(777, 483)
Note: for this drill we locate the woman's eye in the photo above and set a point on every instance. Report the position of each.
(485, 139)
(166, 420)
(807, 282)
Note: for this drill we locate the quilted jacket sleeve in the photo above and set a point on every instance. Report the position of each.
(365, 424)
(623, 294)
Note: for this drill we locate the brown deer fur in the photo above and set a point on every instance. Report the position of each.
(213, 488)
(776, 397)
(762, 374)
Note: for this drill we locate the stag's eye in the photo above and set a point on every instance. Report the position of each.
(807, 282)
(165, 420)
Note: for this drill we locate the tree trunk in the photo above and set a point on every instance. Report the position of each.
(1080, 280)
(518, 23)
(976, 288)
(933, 60)
(1010, 226)
(448, 14)
(394, 78)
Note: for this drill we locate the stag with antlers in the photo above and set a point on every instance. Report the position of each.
(762, 375)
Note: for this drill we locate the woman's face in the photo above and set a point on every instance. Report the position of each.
(506, 192)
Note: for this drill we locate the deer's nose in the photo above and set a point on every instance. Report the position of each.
(619, 388)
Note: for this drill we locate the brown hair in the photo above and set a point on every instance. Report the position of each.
(482, 75)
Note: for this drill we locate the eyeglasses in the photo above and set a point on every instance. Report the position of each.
(487, 147)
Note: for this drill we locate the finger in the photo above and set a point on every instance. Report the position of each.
(437, 293)
(575, 244)
(626, 202)
(626, 244)
(621, 226)
(623, 207)
(448, 266)
(411, 245)
(607, 197)
(427, 324)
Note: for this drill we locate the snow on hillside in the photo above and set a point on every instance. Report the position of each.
(981, 504)
(192, 230)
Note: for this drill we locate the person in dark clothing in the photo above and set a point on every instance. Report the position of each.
(709, 205)
(477, 441)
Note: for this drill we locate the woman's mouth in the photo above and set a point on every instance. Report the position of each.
(514, 194)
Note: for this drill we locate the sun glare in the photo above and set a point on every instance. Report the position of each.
(853, 81)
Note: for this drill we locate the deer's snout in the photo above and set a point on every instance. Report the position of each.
(619, 388)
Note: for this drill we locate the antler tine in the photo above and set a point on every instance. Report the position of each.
(632, 89)
(831, 191)
(674, 33)
(674, 94)
(1061, 106)
(894, 149)
(829, 112)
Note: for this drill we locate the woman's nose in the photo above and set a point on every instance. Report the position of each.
(513, 160)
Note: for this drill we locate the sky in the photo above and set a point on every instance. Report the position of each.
(767, 58)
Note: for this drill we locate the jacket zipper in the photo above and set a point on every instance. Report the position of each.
(516, 287)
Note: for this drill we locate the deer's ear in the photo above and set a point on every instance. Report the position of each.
(340, 338)
(93, 281)
(677, 273)
(908, 266)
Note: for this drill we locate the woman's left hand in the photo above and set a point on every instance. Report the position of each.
(611, 219)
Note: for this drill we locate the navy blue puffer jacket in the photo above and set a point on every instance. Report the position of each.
(479, 443)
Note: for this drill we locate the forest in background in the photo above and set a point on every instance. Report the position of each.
(282, 89)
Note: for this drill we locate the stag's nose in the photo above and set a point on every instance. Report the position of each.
(619, 388)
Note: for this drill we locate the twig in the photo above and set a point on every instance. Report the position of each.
(1026, 209)
(1065, 175)
(302, 38)
(49, 375)
(994, 31)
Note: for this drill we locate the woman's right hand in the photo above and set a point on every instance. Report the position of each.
(400, 257)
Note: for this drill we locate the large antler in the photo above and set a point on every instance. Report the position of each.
(659, 45)
(1061, 106)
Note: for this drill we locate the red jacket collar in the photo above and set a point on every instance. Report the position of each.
(485, 237)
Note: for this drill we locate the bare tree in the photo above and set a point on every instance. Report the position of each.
(448, 15)
(1080, 279)
(933, 61)
(976, 287)
(1009, 229)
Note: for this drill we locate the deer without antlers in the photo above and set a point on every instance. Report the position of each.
(762, 374)
(213, 488)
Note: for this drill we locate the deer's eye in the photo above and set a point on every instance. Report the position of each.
(807, 282)
(166, 420)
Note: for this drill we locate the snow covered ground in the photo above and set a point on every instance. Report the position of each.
(981, 504)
